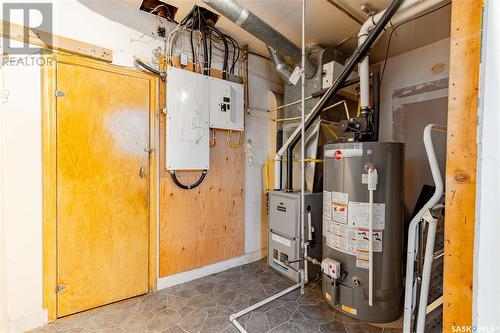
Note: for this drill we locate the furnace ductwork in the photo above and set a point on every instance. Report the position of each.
(255, 26)
(280, 64)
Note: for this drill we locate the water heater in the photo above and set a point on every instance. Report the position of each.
(362, 196)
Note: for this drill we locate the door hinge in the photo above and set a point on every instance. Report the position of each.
(148, 150)
(59, 93)
(60, 288)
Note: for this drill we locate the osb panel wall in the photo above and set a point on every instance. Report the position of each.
(204, 225)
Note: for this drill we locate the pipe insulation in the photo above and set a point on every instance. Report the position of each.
(255, 26)
(280, 64)
(407, 10)
(358, 55)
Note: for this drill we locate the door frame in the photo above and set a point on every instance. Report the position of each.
(49, 170)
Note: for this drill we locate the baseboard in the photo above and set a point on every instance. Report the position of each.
(28, 322)
(172, 280)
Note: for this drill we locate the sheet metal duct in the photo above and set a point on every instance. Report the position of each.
(319, 134)
(280, 64)
(255, 26)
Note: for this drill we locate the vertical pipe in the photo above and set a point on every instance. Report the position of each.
(370, 249)
(358, 55)
(289, 170)
(303, 147)
(372, 186)
(376, 104)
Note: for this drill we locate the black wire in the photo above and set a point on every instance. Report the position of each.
(192, 48)
(188, 186)
(226, 50)
(236, 52)
(397, 26)
(210, 53)
(205, 55)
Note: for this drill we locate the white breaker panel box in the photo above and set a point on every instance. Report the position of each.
(187, 132)
(226, 105)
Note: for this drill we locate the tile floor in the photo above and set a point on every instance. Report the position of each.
(204, 305)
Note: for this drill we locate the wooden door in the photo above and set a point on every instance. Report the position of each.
(102, 187)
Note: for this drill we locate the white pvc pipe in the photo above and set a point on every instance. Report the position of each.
(372, 186)
(407, 10)
(370, 250)
(234, 317)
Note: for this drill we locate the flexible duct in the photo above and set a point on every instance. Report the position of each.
(255, 26)
(281, 66)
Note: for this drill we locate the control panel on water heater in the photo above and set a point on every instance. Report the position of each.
(331, 268)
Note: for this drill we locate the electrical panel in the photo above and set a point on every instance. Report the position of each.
(226, 105)
(196, 103)
(187, 121)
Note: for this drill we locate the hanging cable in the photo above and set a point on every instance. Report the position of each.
(394, 30)
(213, 139)
(228, 140)
(188, 186)
(149, 68)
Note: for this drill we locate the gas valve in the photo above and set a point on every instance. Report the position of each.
(331, 268)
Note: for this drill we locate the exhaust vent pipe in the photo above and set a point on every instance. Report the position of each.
(280, 64)
(252, 24)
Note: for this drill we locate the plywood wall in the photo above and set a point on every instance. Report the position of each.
(204, 225)
(461, 163)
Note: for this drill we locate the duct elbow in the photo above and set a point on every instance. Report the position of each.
(310, 68)
(280, 64)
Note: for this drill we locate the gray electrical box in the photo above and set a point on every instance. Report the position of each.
(284, 232)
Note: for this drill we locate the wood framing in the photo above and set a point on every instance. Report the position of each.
(204, 225)
(461, 162)
(49, 160)
(59, 43)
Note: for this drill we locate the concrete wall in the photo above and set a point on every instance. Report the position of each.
(486, 289)
(20, 154)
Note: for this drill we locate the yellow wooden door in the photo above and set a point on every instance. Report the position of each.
(102, 187)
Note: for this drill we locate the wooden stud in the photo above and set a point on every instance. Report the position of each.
(461, 163)
(59, 43)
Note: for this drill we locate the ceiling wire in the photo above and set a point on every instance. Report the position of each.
(394, 30)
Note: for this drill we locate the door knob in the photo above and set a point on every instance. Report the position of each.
(141, 172)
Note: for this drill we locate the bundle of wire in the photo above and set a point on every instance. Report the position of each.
(203, 34)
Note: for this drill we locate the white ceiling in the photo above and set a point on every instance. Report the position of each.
(326, 25)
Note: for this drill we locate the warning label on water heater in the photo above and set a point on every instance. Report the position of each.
(359, 213)
(346, 223)
(340, 203)
(362, 240)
